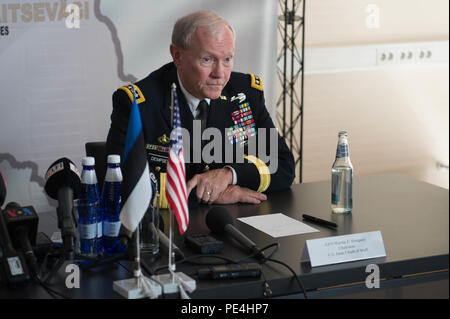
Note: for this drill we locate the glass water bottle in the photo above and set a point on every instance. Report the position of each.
(342, 178)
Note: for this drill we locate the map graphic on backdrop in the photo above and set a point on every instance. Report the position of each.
(57, 80)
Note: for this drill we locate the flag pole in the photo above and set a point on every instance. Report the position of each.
(139, 286)
(174, 282)
(171, 222)
(137, 259)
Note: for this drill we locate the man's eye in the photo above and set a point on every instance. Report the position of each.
(206, 60)
(228, 61)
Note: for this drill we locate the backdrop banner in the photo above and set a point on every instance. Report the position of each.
(60, 62)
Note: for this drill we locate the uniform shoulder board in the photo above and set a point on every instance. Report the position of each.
(256, 82)
(129, 89)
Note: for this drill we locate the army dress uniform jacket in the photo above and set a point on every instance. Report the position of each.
(239, 115)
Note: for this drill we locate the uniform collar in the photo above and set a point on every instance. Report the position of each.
(191, 100)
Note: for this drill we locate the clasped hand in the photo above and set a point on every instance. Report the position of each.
(215, 186)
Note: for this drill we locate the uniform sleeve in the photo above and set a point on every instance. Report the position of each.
(115, 142)
(283, 171)
(272, 167)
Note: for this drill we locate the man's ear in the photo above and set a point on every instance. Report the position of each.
(175, 52)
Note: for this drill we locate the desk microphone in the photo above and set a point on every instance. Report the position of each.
(220, 221)
(63, 183)
(22, 224)
(12, 262)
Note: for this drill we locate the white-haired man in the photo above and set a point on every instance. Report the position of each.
(202, 50)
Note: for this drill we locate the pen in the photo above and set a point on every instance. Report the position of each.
(319, 221)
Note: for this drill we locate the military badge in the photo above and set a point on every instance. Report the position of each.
(241, 97)
(244, 125)
(133, 91)
(154, 180)
(256, 82)
(164, 139)
(158, 148)
(157, 154)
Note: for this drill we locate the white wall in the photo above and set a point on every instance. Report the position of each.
(397, 117)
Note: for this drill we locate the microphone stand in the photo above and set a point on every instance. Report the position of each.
(66, 251)
(66, 224)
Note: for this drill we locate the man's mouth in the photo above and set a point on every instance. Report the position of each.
(215, 85)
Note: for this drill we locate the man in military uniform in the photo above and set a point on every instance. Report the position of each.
(210, 95)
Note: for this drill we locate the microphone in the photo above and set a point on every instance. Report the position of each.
(12, 262)
(22, 223)
(2, 190)
(62, 182)
(220, 221)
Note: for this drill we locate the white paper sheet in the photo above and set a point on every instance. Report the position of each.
(278, 225)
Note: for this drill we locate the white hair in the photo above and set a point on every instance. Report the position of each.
(186, 26)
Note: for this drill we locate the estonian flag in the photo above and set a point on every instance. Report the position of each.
(136, 188)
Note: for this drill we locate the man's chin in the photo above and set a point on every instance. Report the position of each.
(213, 94)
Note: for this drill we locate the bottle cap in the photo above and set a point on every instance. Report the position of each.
(114, 159)
(88, 161)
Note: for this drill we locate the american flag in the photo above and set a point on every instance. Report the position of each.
(176, 178)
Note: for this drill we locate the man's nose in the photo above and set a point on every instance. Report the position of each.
(217, 70)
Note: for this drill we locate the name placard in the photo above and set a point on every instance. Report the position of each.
(340, 249)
